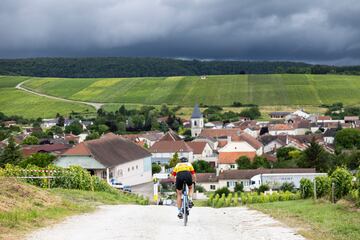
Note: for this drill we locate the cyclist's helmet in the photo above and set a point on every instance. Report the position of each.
(184, 159)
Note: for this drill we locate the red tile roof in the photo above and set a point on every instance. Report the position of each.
(78, 150)
(231, 157)
(216, 133)
(197, 147)
(58, 148)
(170, 136)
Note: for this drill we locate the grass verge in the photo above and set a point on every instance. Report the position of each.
(24, 207)
(316, 220)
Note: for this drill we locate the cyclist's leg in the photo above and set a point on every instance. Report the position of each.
(178, 199)
(191, 189)
(178, 185)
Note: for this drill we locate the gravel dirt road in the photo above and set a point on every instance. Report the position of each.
(132, 222)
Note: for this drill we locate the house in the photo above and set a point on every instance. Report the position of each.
(163, 151)
(203, 151)
(230, 178)
(301, 127)
(281, 129)
(8, 124)
(209, 181)
(278, 115)
(329, 135)
(213, 143)
(71, 138)
(170, 136)
(351, 119)
(272, 143)
(148, 138)
(218, 133)
(55, 149)
(236, 147)
(215, 124)
(49, 123)
(301, 113)
(110, 157)
(253, 131)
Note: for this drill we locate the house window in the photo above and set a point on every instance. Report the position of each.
(212, 187)
(232, 166)
(103, 174)
(195, 123)
(120, 173)
(230, 184)
(137, 167)
(132, 168)
(128, 169)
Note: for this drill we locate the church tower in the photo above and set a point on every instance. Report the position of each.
(197, 121)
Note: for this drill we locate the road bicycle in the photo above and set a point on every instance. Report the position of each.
(185, 202)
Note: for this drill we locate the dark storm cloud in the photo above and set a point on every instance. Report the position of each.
(314, 31)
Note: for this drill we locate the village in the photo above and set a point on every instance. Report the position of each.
(234, 153)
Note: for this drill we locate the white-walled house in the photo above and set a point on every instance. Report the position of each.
(272, 143)
(229, 178)
(237, 146)
(281, 129)
(203, 151)
(110, 157)
(163, 151)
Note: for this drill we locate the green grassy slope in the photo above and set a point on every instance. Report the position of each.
(17, 102)
(267, 90)
(320, 220)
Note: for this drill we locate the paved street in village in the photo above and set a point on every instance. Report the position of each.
(160, 223)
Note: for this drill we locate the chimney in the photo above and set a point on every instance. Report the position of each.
(229, 139)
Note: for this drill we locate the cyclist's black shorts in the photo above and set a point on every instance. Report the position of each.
(181, 177)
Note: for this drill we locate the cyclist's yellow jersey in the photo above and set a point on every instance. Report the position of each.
(180, 167)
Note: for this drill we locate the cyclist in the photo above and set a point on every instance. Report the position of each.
(184, 172)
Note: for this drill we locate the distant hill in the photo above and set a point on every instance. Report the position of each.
(140, 67)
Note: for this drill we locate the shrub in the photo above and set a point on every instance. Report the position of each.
(263, 188)
(306, 188)
(156, 168)
(287, 186)
(323, 186)
(342, 180)
(239, 187)
(199, 188)
(222, 191)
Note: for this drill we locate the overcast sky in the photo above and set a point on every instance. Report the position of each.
(317, 31)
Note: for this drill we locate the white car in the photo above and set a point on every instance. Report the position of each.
(118, 185)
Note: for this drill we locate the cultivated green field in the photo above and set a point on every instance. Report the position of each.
(264, 90)
(17, 102)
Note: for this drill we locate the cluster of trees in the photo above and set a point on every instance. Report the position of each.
(124, 120)
(11, 154)
(258, 162)
(150, 67)
(347, 154)
(215, 113)
(339, 111)
(136, 67)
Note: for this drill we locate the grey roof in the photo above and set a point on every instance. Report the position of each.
(330, 132)
(112, 150)
(196, 113)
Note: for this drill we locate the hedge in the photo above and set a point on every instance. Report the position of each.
(249, 198)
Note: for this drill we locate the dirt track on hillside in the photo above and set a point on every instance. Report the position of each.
(160, 223)
(97, 106)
